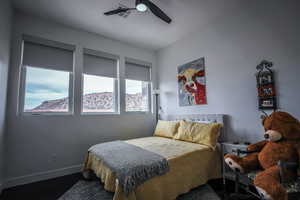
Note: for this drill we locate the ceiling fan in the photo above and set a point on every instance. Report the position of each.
(142, 6)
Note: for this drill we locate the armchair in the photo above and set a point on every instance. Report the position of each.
(292, 186)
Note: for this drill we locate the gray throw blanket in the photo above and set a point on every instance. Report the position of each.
(132, 165)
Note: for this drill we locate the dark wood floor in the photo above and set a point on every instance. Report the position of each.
(45, 190)
(52, 189)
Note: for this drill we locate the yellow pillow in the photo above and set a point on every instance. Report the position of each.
(166, 128)
(201, 133)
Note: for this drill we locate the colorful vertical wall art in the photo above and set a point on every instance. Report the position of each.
(191, 83)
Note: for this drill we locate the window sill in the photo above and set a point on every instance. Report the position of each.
(47, 113)
(138, 112)
(98, 113)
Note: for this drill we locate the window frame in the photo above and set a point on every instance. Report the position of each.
(22, 94)
(23, 73)
(150, 86)
(117, 82)
(116, 97)
(149, 111)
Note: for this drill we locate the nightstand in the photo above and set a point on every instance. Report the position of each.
(227, 173)
(231, 148)
(227, 147)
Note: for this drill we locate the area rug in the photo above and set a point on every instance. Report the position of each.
(93, 190)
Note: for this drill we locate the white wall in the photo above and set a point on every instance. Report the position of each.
(232, 46)
(40, 147)
(5, 27)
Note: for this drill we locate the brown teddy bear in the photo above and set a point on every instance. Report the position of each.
(282, 134)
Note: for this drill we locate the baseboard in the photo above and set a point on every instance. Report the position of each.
(35, 177)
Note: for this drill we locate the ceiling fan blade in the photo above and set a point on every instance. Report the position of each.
(157, 11)
(117, 11)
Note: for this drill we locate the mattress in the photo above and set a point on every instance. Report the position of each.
(190, 164)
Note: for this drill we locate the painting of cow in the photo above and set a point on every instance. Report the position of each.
(191, 83)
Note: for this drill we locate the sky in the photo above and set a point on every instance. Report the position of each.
(133, 87)
(44, 84)
(93, 84)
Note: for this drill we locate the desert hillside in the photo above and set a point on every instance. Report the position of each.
(99, 101)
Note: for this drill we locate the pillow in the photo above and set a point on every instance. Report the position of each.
(201, 133)
(166, 128)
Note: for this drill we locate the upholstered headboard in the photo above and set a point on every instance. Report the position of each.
(217, 118)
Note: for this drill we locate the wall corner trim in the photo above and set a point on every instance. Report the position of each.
(1, 188)
(40, 176)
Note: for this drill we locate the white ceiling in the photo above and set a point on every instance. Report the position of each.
(140, 29)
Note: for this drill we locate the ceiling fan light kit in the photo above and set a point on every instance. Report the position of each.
(140, 6)
(143, 6)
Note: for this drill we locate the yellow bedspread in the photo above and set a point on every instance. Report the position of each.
(190, 164)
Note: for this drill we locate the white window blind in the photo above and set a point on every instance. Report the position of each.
(134, 71)
(47, 54)
(100, 64)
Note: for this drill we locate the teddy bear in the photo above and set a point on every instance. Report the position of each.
(282, 143)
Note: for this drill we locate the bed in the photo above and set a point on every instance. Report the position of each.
(190, 165)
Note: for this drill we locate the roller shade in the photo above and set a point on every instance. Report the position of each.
(137, 71)
(100, 66)
(50, 57)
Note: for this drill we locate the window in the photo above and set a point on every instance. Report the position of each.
(47, 76)
(137, 96)
(138, 78)
(46, 90)
(99, 83)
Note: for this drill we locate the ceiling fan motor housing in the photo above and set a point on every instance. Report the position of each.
(137, 2)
